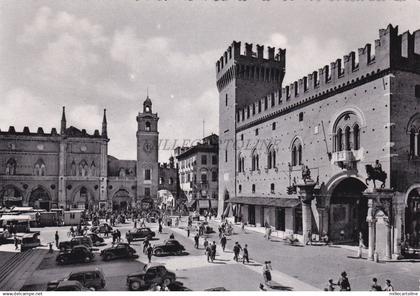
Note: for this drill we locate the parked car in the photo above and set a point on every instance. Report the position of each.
(217, 289)
(121, 250)
(70, 286)
(154, 274)
(170, 247)
(76, 241)
(96, 239)
(177, 286)
(102, 228)
(139, 233)
(90, 279)
(77, 254)
(30, 241)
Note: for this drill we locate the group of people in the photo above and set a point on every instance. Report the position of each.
(343, 284)
(225, 228)
(210, 250)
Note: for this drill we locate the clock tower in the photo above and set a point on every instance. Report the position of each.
(147, 155)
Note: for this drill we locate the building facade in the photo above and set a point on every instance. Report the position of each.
(72, 169)
(300, 157)
(198, 173)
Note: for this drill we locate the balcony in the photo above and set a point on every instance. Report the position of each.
(347, 156)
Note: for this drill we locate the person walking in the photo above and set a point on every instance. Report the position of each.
(16, 242)
(149, 253)
(160, 227)
(245, 254)
(205, 243)
(146, 244)
(196, 240)
(208, 252)
(267, 272)
(375, 286)
(243, 226)
(172, 236)
(330, 286)
(188, 231)
(236, 250)
(388, 286)
(343, 282)
(135, 224)
(57, 239)
(129, 236)
(119, 235)
(213, 248)
(223, 242)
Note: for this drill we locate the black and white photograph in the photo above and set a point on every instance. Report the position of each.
(209, 145)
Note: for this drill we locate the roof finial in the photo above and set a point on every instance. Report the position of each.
(147, 92)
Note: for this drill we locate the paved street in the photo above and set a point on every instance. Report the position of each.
(294, 267)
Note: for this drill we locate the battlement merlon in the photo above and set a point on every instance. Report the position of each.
(392, 51)
(233, 60)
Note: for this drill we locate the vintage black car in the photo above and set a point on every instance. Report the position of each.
(139, 233)
(121, 250)
(75, 255)
(154, 274)
(75, 241)
(170, 247)
(70, 286)
(90, 279)
(96, 239)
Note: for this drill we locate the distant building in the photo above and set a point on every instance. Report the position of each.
(198, 173)
(72, 169)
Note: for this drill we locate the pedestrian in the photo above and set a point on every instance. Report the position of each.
(145, 245)
(361, 241)
(188, 231)
(330, 286)
(172, 236)
(213, 248)
(196, 240)
(245, 254)
(223, 241)
(236, 249)
(343, 282)
(149, 253)
(243, 226)
(309, 238)
(106, 231)
(114, 236)
(267, 272)
(129, 237)
(388, 286)
(375, 286)
(160, 227)
(16, 242)
(119, 235)
(57, 239)
(205, 243)
(208, 253)
(72, 231)
(135, 224)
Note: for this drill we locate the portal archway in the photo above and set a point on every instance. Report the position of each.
(348, 211)
(121, 200)
(83, 199)
(412, 218)
(40, 199)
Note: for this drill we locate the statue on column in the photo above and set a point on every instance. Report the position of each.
(374, 173)
(306, 173)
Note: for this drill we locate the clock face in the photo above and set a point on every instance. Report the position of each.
(147, 147)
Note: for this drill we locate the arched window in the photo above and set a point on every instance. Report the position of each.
(255, 161)
(339, 140)
(11, 167)
(92, 171)
(147, 126)
(39, 168)
(161, 181)
(296, 152)
(356, 137)
(271, 158)
(171, 181)
(83, 168)
(73, 168)
(347, 138)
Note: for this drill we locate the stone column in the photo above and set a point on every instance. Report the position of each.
(306, 195)
(416, 144)
(388, 240)
(372, 238)
(321, 213)
(62, 202)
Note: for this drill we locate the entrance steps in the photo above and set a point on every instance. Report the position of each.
(15, 271)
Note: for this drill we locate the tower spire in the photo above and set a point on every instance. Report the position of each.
(63, 121)
(104, 126)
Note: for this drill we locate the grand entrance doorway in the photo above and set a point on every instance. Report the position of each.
(251, 214)
(83, 199)
(40, 199)
(121, 200)
(412, 219)
(348, 211)
(11, 196)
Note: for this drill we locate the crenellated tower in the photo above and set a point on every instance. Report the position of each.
(242, 78)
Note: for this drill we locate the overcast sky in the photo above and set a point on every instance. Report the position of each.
(90, 55)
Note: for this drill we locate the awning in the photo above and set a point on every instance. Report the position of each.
(16, 218)
(282, 202)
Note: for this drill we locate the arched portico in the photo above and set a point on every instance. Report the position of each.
(83, 197)
(40, 198)
(412, 216)
(122, 199)
(10, 195)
